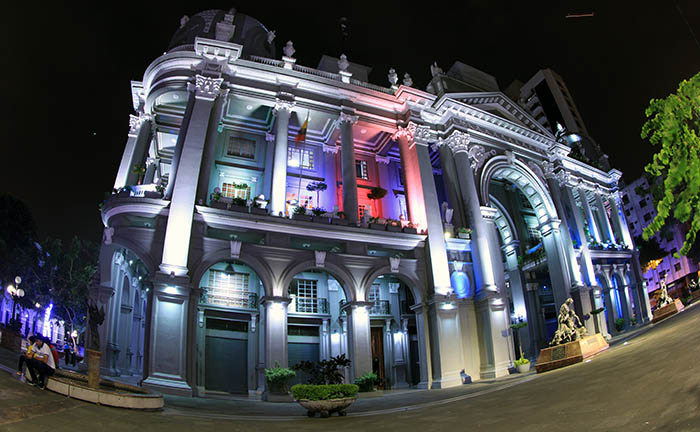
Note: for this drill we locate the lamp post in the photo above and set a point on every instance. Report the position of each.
(16, 293)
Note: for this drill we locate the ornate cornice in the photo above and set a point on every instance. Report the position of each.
(135, 122)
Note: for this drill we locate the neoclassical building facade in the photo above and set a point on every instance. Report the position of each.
(266, 213)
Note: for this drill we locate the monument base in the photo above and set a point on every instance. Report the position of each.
(573, 352)
(668, 310)
(93, 368)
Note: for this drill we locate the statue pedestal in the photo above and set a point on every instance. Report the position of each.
(668, 310)
(94, 368)
(573, 352)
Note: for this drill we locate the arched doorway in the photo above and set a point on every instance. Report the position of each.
(227, 333)
(316, 321)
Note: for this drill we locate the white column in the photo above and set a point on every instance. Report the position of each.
(449, 176)
(179, 226)
(607, 229)
(556, 261)
(413, 176)
(134, 152)
(151, 169)
(275, 330)
(423, 338)
(210, 149)
(619, 221)
(269, 163)
(359, 338)
(278, 197)
(590, 217)
(586, 262)
(325, 347)
(518, 293)
(347, 157)
(572, 263)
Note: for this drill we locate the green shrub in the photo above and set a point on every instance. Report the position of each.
(318, 211)
(366, 381)
(521, 361)
(239, 202)
(324, 391)
(300, 210)
(278, 377)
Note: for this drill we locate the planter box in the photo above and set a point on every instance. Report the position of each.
(377, 226)
(393, 228)
(570, 353)
(303, 217)
(152, 194)
(258, 211)
(237, 208)
(321, 219)
(523, 368)
(218, 205)
(339, 221)
(410, 230)
(326, 407)
(668, 310)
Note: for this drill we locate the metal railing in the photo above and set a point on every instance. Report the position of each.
(309, 305)
(380, 307)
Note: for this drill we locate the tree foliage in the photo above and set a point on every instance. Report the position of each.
(18, 236)
(674, 124)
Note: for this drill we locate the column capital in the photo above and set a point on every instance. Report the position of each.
(458, 141)
(206, 88)
(265, 300)
(348, 118)
(381, 159)
(488, 213)
(558, 151)
(330, 148)
(135, 122)
(511, 247)
(406, 132)
(547, 227)
(284, 105)
(269, 137)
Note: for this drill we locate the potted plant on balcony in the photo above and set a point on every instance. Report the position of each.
(324, 393)
(278, 383)
(319, 213)
(464, 233)
(340, 219)
(139, 171)
(393, 225)
(366, 382)
(259, 206)
(239, 205)
(410, 228)
(300, 214)
(215, 201)
(316, 187)
(376, 224)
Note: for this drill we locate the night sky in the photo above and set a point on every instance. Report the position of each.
(67, 72)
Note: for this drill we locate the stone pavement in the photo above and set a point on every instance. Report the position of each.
(652, 383)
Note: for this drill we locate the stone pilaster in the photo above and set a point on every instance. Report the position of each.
(347, 157)
(278, 195)
(139, 137)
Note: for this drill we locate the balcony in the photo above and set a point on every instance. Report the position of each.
(230, 299)
(305, 305)
(380, 307)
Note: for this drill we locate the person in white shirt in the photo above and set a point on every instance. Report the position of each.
(41, 363)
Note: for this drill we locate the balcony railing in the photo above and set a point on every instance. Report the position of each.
(380, 307)
(232, 299)
(309, 305)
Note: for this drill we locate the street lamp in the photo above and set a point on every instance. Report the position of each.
(16, 293)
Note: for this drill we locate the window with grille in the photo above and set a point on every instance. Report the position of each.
(361, 169)
(241, 147)
(229, 190)
(227, 289)
(306, 296)
(297, 157)
(305, 200)
(373, 294)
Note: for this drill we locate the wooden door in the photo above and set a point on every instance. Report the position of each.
(378, 355)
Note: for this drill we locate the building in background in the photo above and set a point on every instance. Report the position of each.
(269, 212)
(638, 205)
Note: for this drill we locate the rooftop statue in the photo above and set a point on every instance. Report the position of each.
(569, 326)
(435, 69)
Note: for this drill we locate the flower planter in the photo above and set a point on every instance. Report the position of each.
(339, 221)
(258, 211)
(377, 226)
(326, 407)
(410, 230)
(321, 219)
(238, 208)
(393, 228)
(523, 368)
(303, 217)
(218, 205)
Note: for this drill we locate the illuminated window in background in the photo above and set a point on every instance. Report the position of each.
(361, 169)
(229, 190)
(305, 200)
(227, 289)
(306, 295)
(300, 157)
(241, 147)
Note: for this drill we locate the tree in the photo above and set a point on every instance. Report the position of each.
(18, 236)
(674, 125)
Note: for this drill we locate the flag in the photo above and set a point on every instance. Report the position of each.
(301, 136)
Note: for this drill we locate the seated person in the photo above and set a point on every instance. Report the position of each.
(26, 356)
(42, 362)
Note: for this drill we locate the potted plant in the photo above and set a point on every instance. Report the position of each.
(324, 393)
(316, 187)
(300, 214)
(340, 220)
(522, 364)
(215, 200)
(239, 205)
(410, 228)
(278, 383)
(376, 193)
(376, 224)
(464, 233)
(393, 225)
(258, 208)
(366, 382)
(318, 213)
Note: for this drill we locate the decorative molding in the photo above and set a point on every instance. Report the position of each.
(394, 263)
(394, 287)
(458, 142)
(478, 155)
(488, 213)
(407, 132)
(135, 122)
(320, 257)
(328, 148)
(284, 105)
(235, 246)
(558, 151)
(425, 135)
(269, 137)
(381, 159)
(546, 166)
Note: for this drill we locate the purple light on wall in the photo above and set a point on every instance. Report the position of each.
(46, 330)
